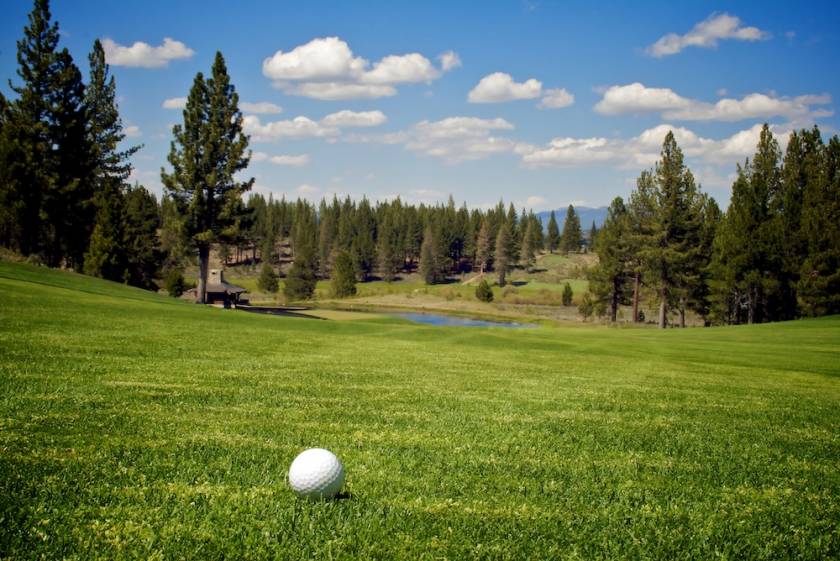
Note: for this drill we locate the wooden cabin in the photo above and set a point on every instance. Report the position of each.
(220, 292)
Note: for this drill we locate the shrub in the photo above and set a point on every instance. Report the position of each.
(268, 279)
(586, 306)
(483, 291)
(567, 295)
(174, 283)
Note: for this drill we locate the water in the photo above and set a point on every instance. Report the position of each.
(454, 321)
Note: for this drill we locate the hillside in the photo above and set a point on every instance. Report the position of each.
(136, 426)
(586, 214)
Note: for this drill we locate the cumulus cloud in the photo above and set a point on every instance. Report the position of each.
(706, 34)
(299, 127)
(498, 87)
(292, 161)
(449, 61)
(174, 103)
(303, 127)
(459, 139)
(326, 68)
(262, 107)
(347, 118)
(307, 189)
(556, 99)
(132, 131)
(644, 150)
(638, 98)
(143, 55)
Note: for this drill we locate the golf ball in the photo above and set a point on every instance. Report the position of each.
(316, 474)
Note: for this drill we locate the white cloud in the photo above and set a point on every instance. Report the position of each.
(347, 118)
(143, 55)
(326, 68)
(336, 91)
(449, 61)
(175, 103)
(534, 201)
(299, 127)
(307, 189)
(132, 131)
(499, 87)
(291, 161)
(556, 99)
(707, 34)
(259, 156)
(638, 98)
(459, 139)
(262, 107)
(644, 150)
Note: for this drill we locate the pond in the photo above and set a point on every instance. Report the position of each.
(442, 320)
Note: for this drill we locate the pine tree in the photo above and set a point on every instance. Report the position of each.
(483, 291)
(571, 239)
(502, 259)
(429, 267)
(387, 246)
(819, 283)
(301, 280)
(610, 278)
(527, 252)
(567, 294)
(106, 256)
(553, 233)
(363, 246)
(141, 216)
(208, 151)
(267, 281)
(593, 237)
(667, 253)
(482, 247)
(344, 276)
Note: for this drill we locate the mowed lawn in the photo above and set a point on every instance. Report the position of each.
(137, 427)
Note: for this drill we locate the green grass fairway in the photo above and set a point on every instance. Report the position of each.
(133, 426)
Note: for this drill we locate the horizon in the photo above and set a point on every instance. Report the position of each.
(365, 101)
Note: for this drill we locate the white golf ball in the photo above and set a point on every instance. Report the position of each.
(316, 474)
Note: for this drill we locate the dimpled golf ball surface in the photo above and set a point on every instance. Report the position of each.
(316, 474)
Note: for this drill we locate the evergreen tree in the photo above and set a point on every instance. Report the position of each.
(610, 278)
(527, 252)
(567, 294)
(593, 237)
(363, 246)
(106, 256)
(174, 283)
(482, 247)
(572, 236)
(301, 280)
(502, 259)
(429, 268)
(483, 291)
(267, 281)
(553, 233)
(208, 151)
(819, 282)
(344, 276)
(327, 230)
(387, 246)
(667, 252)
(141, 222)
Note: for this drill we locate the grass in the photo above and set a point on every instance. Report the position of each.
(138, 427)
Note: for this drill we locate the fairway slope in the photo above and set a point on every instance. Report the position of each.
(135, 426)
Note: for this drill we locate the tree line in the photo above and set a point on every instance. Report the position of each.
(773, 255)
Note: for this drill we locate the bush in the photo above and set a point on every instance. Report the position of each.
(268, 279)
(586, 306)
(174, 283)
(567, 295)
(483, 291)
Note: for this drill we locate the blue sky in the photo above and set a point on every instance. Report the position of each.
(540, 103)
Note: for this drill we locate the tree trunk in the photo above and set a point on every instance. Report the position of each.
(636, 283)
(203, 262)
(751, 306)
(663, 319)
(682, 312)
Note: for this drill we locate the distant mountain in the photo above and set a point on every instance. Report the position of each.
(586, 215)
